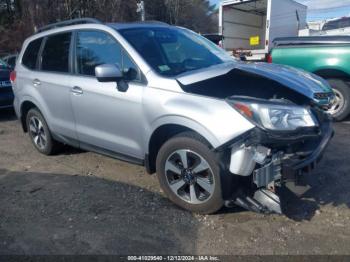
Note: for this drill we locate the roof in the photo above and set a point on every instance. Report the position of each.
(308, 40)
(120, 26)
(80, 21)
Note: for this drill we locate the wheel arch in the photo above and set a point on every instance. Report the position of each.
(162, 134)
(333, 73)
(26, 105)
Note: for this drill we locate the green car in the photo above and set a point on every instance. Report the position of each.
(325, 56)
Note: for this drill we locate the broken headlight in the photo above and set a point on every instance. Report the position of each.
(277, 116)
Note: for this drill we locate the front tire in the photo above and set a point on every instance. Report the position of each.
(39, 133)
(189, 174)
(341, 108)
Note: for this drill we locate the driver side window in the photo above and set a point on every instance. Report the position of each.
(95, 48)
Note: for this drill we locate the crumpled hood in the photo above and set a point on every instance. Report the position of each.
(298, 80)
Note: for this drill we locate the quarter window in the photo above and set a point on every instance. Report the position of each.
(30, 55)
(55, 56)
(96, 48)
(130, 71)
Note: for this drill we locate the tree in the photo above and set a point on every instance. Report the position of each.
(21, 18)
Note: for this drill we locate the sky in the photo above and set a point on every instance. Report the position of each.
(322, 9)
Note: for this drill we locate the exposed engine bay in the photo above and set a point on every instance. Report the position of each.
(242, 83)
(274, 152)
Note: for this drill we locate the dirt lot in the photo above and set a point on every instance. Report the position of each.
(83, 203)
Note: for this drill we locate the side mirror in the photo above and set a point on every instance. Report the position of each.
(111, 73)
(108, 73)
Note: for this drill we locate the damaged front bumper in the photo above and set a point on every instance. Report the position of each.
(268, 161)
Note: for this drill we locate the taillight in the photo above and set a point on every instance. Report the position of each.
(269, 58)
(13, 76)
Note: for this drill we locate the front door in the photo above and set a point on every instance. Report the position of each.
(106, 119)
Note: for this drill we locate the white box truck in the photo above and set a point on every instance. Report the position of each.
(249, 27)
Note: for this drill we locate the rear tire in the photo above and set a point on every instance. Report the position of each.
(341, 109)
(39, 133)
(196, 188)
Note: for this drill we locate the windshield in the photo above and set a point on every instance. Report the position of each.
(172, 51)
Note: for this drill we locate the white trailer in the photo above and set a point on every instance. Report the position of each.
(249, 27)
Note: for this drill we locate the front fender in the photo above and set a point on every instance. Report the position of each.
(214, 119)
(185, 122)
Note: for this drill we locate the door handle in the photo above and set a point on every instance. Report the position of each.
(76, 90)
(36, 82)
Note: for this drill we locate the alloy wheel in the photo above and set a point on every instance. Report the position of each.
(338, 103)
(189, 176)
(37, 132)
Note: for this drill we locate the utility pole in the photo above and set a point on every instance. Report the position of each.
(141, 9)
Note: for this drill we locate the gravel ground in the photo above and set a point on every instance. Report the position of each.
(83, 203)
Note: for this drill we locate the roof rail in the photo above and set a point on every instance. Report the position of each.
(69, 22)
(151, 22)
(154, 22)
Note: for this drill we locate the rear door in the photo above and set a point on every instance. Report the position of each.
(106, 119)
(53, 81)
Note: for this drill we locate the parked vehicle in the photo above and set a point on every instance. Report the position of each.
(10, 60)
(332, 27)
(339, 26)
(215, 38)
(249, 26)
(328, 57)
(216, 131)
(6, 94)
(3, 64)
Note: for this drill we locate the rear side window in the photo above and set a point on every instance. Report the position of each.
(30, 55)
(55, 56)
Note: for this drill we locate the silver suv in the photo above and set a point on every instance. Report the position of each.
(216, 131)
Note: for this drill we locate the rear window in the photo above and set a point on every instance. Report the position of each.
(30, 55)
(55, 56)
(3, 64)
(337, 24)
